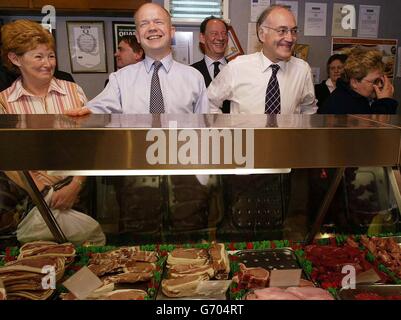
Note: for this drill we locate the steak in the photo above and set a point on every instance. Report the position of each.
(220, 261)
(255, 277)
(192, 256)
(183, 270)
(125, 294)
(182, 287)
(129, 277)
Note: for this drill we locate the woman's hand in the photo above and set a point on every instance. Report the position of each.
(78, 112)
(66, 197)
(386, 91)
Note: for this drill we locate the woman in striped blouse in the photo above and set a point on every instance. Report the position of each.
(29, 50)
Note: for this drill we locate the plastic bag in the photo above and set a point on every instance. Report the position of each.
(76, 226)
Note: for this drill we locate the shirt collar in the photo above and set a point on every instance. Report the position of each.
(17, 90)
(167, 62)
(209, 61)
(266, 63)
(330, 85)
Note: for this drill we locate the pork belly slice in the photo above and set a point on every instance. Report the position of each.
(182, 287)
(37, 244)
(51, 249)
(31, 295)
(182, 270)
(187, 256)
(35, 264)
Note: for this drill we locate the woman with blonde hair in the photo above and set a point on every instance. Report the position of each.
(29, 50)
(363, 88)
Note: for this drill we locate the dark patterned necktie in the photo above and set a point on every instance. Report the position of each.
(272, 99)
(156, 96)
(216, 69)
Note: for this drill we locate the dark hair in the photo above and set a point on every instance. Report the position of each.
(133, 43)
(334, 57)
(263, 16)
(206, 20)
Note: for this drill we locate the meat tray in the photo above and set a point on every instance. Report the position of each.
(269, 259)
(380, 289)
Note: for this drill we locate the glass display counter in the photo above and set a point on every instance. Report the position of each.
(191, 178)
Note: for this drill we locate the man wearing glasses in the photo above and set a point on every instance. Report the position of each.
(271, 81)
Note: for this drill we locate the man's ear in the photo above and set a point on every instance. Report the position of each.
(260, 34)
(14, 59)
(202, 38)
(137, 36)
(172, 31)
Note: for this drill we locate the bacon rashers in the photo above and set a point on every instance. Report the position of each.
(188, 267)
(48, 249)
(23, 278)
(182, 287)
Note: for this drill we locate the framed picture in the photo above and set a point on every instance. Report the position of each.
(121, 29)
(234, 48)
(301, 51)
(86, 42)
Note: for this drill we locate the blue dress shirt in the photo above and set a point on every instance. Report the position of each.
(128, 90)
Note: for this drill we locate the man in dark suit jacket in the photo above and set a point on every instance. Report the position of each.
(213, 43)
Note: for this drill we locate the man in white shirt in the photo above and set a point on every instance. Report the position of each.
(213, 40)
(270, 81)
(158, 84)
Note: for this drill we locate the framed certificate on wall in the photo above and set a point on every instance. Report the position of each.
(86, 42)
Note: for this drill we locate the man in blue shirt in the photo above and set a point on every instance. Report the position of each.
(176, 87)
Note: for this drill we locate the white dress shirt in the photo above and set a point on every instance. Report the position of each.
(330, 85)
(210, 66)
(128, 90)
(244, 82)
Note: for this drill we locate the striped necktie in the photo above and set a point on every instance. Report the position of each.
(272, 99)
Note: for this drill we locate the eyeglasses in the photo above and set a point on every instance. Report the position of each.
(284, 31)
(377, 82)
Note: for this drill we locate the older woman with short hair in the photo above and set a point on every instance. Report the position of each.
(363, 88)
(29, 50)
